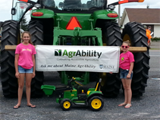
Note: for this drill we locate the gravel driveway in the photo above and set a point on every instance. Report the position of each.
(144, 108)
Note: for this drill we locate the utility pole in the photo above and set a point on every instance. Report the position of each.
(119, 12)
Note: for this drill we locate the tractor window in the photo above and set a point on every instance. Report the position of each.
(74, 4)
(20, 8)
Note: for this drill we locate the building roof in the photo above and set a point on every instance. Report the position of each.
(143, 15)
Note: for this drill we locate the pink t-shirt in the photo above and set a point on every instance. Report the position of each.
(125, 60)
(25, 55)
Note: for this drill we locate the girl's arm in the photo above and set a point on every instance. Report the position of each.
(16, 65)
(34, 66)
(131, 68)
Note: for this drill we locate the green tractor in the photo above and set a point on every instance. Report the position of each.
(73, 22)
(73, 93)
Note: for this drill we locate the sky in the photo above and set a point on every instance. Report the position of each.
(6, 5)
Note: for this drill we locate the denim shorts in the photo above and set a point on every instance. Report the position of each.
(23, 70)
(124, 73)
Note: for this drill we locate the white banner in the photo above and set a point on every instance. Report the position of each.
(77, 58)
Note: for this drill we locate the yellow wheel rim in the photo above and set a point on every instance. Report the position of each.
(66, 104)
(96, 103)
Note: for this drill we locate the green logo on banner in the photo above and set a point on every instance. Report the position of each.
(70, 54)
(58, 52)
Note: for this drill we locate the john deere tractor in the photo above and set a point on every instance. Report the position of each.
(60, 22)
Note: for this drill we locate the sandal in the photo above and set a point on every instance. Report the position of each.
(32, 106)
(16, 106)
(122, 104)
(128, 105)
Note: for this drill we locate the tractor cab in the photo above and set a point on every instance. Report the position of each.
(74, 5)
(19, 7)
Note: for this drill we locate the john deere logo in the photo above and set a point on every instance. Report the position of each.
(57, 52)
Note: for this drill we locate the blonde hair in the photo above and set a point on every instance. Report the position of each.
(127, 42)
(26, 32)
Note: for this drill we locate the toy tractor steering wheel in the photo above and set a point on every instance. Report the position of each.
(73, 79)
(78, 83)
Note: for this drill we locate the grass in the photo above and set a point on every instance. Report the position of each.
(155, 48)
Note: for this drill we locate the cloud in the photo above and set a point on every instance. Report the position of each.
(5, 4)
(5, 9)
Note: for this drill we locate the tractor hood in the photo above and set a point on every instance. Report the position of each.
(69, 21)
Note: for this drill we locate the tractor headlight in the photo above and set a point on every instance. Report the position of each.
(111, 7)
(37, 5)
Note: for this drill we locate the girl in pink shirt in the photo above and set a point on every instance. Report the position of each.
(126, 63)
(25, 67)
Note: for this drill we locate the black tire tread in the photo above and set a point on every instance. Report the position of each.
(8, 79)
(36, 30)
(112, 37)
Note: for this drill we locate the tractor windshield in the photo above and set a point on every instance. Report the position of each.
(20, 8)
(74, 4)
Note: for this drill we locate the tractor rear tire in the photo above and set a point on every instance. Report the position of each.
(36, 30)
(112, 37)
(136, 34)
(9, 37)
(93, 76)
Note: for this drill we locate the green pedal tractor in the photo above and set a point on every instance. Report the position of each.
(73, 23)
(70, 94)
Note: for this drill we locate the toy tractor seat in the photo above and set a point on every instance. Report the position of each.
(63, 88)
(67, 87)
(87, 90)
(82, 90)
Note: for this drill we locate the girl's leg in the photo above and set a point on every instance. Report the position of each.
(125, 91)
(129, 91)
(20, 89)
(28, 88)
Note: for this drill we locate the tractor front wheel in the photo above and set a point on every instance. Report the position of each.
(9, 82)
(96, 103)
(110, 84)
(66, 104)
(36, 30)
